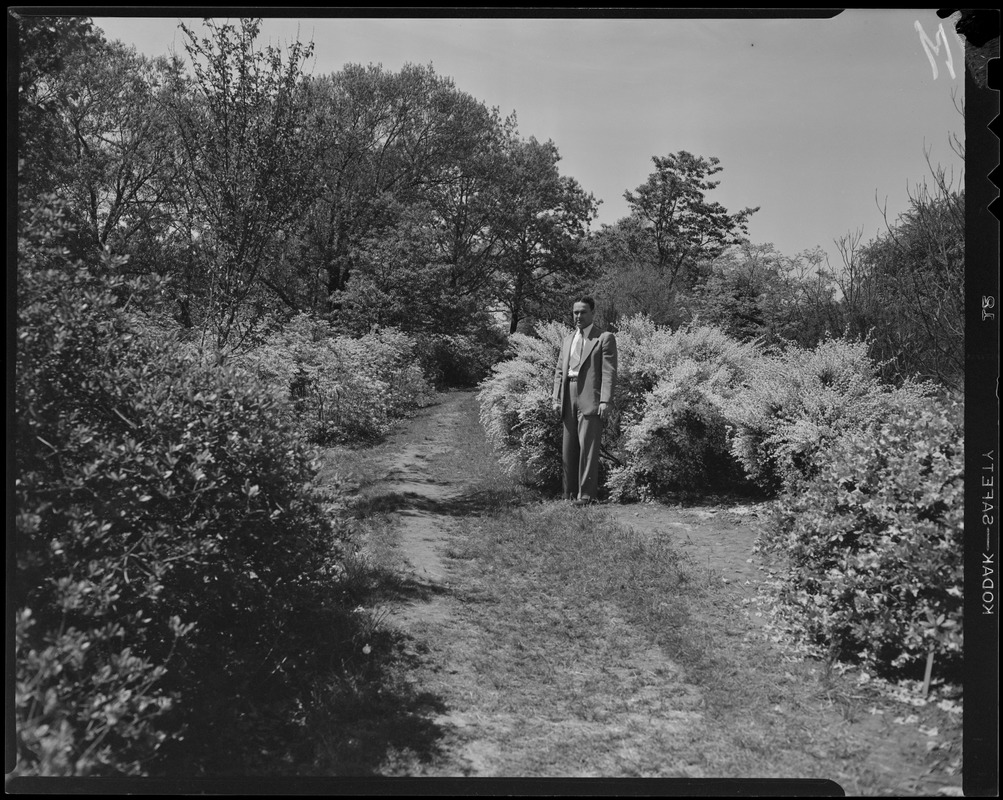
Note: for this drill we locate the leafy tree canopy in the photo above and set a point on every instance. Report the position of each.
(682, 224)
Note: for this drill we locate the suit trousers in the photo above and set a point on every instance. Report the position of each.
(582, 437)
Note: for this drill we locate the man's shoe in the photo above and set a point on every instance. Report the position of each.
(585, 501)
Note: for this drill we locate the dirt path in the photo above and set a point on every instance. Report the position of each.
(427, 478)
(429, 487)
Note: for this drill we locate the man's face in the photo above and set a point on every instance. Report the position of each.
(583, 315)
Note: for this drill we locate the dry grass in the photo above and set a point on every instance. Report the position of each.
(582, 619)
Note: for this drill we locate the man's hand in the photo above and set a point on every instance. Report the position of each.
(556, 406)
(603, 411)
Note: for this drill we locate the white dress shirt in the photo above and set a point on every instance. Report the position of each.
(583, 335)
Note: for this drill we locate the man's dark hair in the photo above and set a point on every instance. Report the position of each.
(587, 300)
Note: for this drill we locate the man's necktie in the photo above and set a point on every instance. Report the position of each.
(576, 350)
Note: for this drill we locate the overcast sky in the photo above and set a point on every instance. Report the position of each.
(811, 119)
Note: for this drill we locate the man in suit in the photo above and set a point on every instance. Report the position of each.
(583, 393)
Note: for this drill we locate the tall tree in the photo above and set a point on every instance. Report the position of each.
(755, 292)
(393, 140)
(123, 155)
(400, 280)
(743, 295)
(250, 171)
(654, 260)
(914, 279)
(813, 310)
(904, 290)
(466, 201)
(623, 258)
(684, 226)
(542, 219)
(46, 46)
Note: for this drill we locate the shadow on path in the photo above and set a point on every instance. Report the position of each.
(382, 716)
(385, 722)
(471, 503)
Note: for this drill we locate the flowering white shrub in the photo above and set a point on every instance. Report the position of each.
(678, 444)
(665, 432)
(342, 388)
(516, 407)
(797, 401)
(693, 409)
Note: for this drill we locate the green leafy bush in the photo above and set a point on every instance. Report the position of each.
(341, 388)
(874, 541)
(173, 558)
(797, 401)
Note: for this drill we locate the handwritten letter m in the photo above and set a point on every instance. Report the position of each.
(928, 46)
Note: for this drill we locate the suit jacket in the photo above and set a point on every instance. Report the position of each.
(596, 374)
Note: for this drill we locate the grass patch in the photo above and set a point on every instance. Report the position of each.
(606, 642)
(584, 562)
